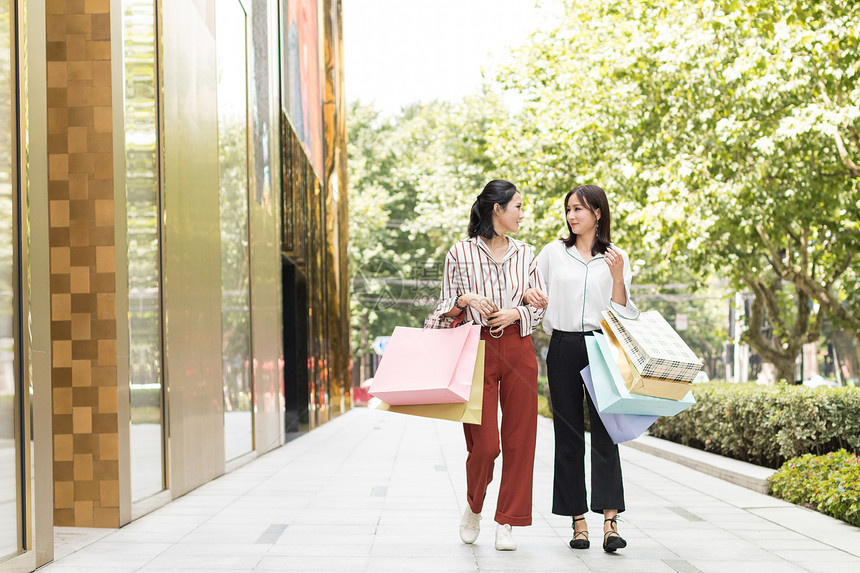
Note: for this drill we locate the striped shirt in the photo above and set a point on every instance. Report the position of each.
(470, 267)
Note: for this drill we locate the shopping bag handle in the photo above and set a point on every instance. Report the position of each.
(435, 318)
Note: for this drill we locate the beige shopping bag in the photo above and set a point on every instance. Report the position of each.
(612, 394)
(468, 412)
(654, 348)
(644, 385)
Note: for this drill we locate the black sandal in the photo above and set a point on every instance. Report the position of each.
(611, 539)
(579, 542)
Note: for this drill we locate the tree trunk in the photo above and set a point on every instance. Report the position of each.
(781, 351)
(792, 264)
(786, 370)
(365, 363)
(857, 370)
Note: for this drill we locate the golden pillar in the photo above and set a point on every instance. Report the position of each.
(334, 132)
(82, 255)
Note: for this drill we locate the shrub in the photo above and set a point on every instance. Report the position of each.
(829, 483)
(544, 403)
(146, 396)
(7, 420)
(766, 425)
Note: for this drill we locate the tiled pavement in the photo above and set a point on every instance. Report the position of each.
(378, 491)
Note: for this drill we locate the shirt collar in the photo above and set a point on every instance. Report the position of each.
(513, 247)
(575, 254)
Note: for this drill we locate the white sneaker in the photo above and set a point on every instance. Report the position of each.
(504, 539)
(470, 526)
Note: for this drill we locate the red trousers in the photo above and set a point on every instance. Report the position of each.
(510, 379)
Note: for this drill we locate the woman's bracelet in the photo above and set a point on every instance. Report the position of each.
(457, 303)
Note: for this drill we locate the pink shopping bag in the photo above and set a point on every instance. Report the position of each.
(427, 366)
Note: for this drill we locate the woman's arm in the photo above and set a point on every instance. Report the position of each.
(478, 302)
(448, 297)
(536, 296)
(622, 276)
(452, 302)
(615, 262)
(530, 315)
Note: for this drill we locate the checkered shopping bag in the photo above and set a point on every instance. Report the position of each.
(611, 395)
(654, 348)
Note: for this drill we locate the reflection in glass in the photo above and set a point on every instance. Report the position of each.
(144, 322)
(233, 177)
(9, 521)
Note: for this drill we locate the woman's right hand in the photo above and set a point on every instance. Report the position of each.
(536, 298)
(480, 303)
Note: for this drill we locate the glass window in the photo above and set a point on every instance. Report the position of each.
(9, 468)
(144, 272)
(230, 35)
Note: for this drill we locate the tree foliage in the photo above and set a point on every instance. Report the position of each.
(726, 133)
(412, 181)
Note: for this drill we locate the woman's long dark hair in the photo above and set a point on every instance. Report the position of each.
(481, 219)
(594, 199)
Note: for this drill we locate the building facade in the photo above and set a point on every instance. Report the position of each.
(174, 289)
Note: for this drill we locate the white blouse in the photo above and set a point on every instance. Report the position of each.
(579, 291)
(470, 267)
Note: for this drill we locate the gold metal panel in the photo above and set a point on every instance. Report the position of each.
(115, 260)
(336, 278)
(14, 437)
(191, 245)
(34, 98)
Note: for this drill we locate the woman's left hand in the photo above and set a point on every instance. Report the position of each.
(536, 298)
(502, 318)
(615, 262)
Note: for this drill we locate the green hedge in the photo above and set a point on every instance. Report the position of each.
(766, 425)
(544, 405)
(828, 483)
(7, 417)
(145, 397)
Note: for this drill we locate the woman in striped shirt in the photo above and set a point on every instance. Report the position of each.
(484, 280)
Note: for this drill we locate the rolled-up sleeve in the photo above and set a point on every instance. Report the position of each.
(530, 316)
(629, 310)
(450, 283)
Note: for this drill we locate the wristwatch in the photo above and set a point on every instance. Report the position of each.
(457, 300)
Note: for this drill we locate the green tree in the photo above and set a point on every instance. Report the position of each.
(705, 311)
(413, 178)
(726, 133)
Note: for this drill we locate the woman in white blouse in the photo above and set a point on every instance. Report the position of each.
(484, 280)
(584, 274)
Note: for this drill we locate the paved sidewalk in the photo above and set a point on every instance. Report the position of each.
(377, 491)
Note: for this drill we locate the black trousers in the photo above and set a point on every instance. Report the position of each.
(564, 361)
